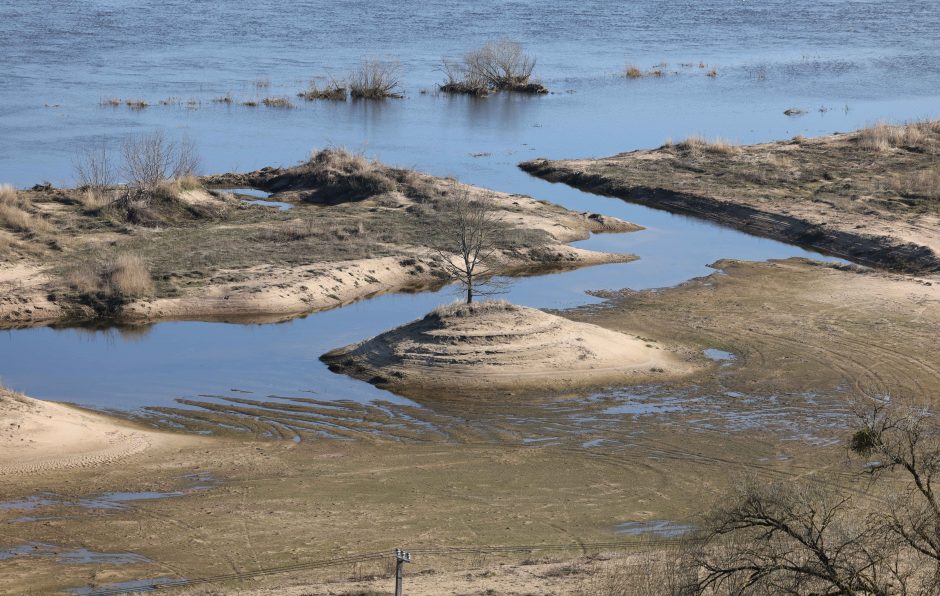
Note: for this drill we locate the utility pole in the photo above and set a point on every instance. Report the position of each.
(401, 557)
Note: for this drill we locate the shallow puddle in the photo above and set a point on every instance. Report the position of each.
(655, 527)
(78, 556)
(136, 585)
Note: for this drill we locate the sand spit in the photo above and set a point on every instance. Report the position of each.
(868, 196)
(357, 228)
(40, 436)
(500, 346)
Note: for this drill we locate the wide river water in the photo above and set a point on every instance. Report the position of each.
(846, 63)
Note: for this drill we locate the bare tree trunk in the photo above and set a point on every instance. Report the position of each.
(469, 291)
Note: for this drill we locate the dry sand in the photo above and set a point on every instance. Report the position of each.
(40, 436)
(495, 345)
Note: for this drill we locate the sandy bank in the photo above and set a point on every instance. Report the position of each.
(870, 196)
(499, 346)
(40, 436)
(356, 228)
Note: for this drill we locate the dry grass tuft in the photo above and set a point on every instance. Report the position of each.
(136, 104)
(336, 175)
(94, 200)
(7, 194)
(924, 184)
(884, 137)
(277, 102)
(462, 309)
(129, 276)
(632, 72)
(14, 214)
(712, 73)
(699, 144)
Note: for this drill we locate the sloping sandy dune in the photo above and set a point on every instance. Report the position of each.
(40, 436)
(496, 345)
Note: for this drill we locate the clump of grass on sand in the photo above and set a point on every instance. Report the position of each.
(107, 282)
(883, 137)
(698, 144)
(339, 176)
(462, 309)
(15, 213)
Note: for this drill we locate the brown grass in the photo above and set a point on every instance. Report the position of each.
(129, 276)
(136, 104)
(923, 184)
(277, 102)
(93, 199)
(632, 72)
(14, 213)
(699, 144)
(462, 309)
(7, 194)
(332, 92)
(883, 137)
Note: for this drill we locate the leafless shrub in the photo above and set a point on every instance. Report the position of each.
(94, 169)
(500, 65)
(461, 80)
(376, 79)
(186, 162)
(150, 159)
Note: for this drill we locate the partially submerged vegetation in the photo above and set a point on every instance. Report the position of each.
(376, 79)
(497, 66)
(333, 91)
(822, 193)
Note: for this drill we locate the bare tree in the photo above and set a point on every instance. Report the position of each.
(468, 238)
(796, 538)
(898, 436)
(94, 168)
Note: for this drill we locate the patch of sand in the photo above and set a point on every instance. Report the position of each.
(500, 346)
(40, 436)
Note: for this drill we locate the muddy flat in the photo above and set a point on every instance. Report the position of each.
(306, 480)
(872, 196)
